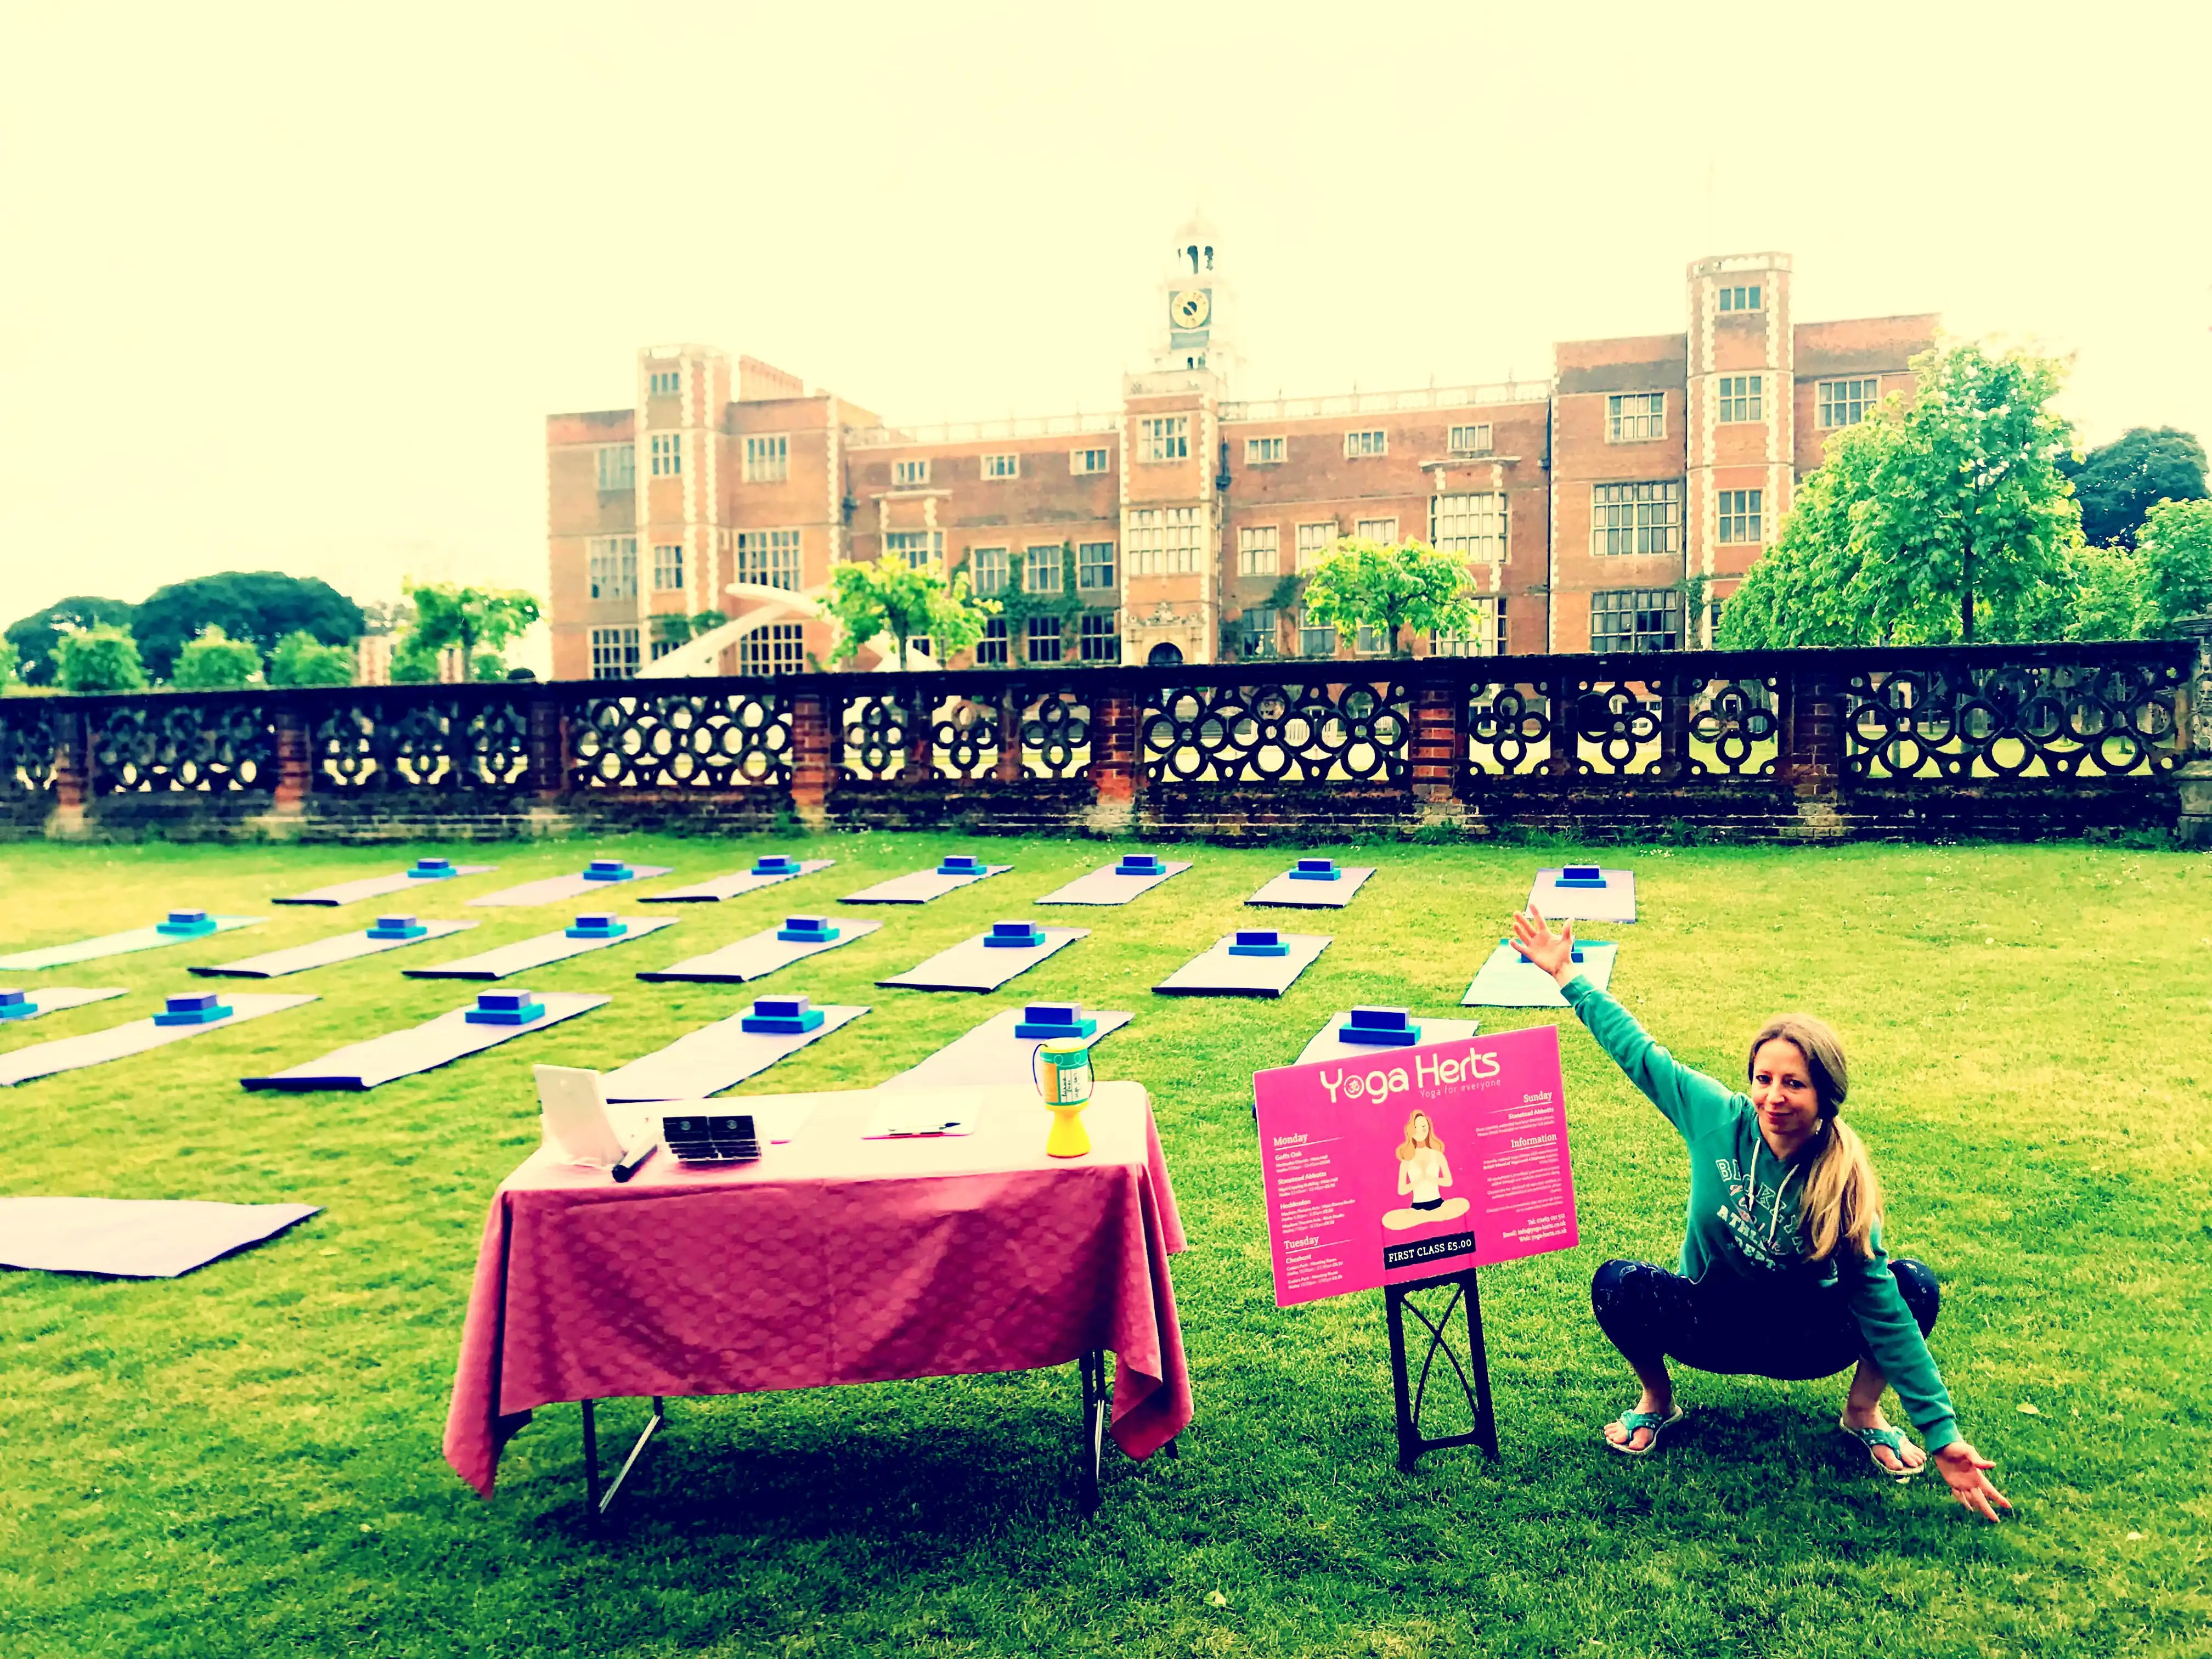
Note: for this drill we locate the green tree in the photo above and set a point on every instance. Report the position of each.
(1794, 595)
(906, 601)
(1362, 583)
(212, 661)
(2118, 483)
(2106, 600)
(2176, 544)
(481, 621)
(36, 637)
(259, 606)
(300, 659)
(101, 658)
(10, 660)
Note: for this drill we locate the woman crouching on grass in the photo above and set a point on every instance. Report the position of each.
(1782, 1274)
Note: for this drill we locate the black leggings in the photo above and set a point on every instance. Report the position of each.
(1719, 1325)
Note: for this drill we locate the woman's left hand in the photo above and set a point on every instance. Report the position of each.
(1963, 1467)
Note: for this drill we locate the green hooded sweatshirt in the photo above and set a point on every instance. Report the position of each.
(1744, 1221)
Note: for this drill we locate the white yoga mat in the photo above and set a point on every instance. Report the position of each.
(121, 1042)
(540, 951)
(1614, 902)
(1103, 886)
(54, 998)
(734, 885)
(992, 1054)
(419, 1049)
(116, 944)
(715, 1057)
(1326, 1044)
(554, 888)
(920, 887)
(1218, 973)
(339, 947)
(369, 887)
(1286, 893)
(971, 965)
(755, 956)
(1508, 980)
(134, 1237)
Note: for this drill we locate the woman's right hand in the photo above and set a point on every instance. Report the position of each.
(1532, 938)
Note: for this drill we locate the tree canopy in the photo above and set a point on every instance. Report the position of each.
(481, 621)
(2118, 483)
(1363, 584)
(300, 659)
(212, 661)
(906, 601)
(36, 637)
(101, 658)
(259, 606)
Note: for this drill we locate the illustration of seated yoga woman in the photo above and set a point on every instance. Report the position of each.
(1783, 1273)
(1423, 1174)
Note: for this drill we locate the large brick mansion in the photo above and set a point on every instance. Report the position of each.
(1585, 503)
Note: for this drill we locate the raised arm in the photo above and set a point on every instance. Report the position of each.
(1688, 1098)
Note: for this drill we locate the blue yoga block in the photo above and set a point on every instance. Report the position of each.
(396, 927)
(505, 1008)
(201, 1008)
(607, 870)
(187, 923)
(1257, 942)
(598, 927)
(960, 863)
(1384, 1028)
(1140, 864)
(16, 1005)
(774, 864)
(1013, 936)
(782, 1025)
(805, 930)
(1317, 870)
(432, 869)
(1581, 875)
(1054, 1020)
(1575, 955)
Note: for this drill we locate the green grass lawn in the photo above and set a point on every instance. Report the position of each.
(245, 1460)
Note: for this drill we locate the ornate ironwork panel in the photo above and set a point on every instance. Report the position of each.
(2024, 720)
(878, 735)
(182, 744)
(30, 744)
(1359, 730)
(418, 742)
(1735, 726)
(1055, 734)
(1508, 727)
(963, 736)
(681, 740)
(1616, 726)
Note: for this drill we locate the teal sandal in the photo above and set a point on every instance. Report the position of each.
(1632, 1421)
(1892, 1438)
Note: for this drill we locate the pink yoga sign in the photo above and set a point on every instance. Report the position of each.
(1414, 1162)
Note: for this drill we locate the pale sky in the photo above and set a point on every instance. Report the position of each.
(294, 287)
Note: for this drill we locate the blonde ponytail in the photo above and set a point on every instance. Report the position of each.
(1841, 1192)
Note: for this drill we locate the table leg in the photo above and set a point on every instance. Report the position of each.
(596, 1502)
(1091, 1368)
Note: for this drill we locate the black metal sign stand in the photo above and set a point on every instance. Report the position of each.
(1473, 1375)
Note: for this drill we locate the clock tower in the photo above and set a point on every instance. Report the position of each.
(1192, 293)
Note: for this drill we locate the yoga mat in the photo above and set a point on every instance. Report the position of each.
(116, 944)
(57, 999)
(1508, 980)
(1218, 973)
(339, 947)
(539, 951)
(920, 887)
(419, 1049)
(735, 884)
(368, 887)
(1614, 902)
(971, 965)
(715, 1057)
(121, 1042)
(554, 888)
(1285, 893)
(134, 1237)
(1327, 1046)
(992, 1054)
(755, 956)
(1103, 886)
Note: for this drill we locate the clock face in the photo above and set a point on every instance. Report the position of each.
(1189, 308)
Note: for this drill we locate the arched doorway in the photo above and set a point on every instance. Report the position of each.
(1163, 655)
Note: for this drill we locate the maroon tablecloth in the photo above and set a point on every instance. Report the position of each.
(834, 1258)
